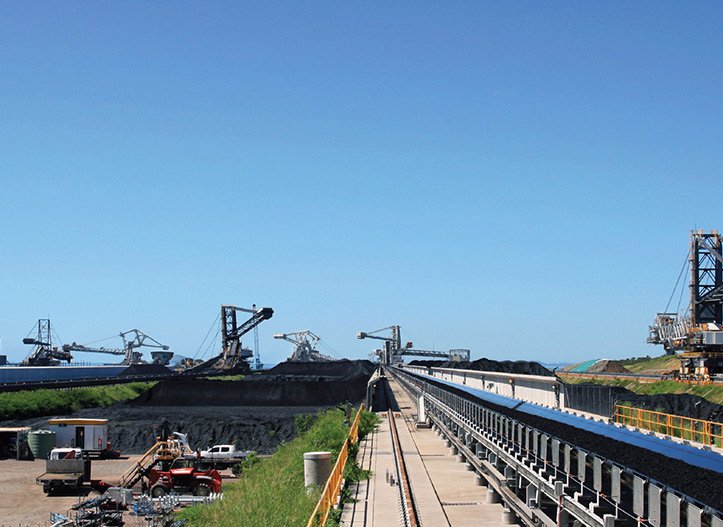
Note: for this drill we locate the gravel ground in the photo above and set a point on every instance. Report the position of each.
(22, 501)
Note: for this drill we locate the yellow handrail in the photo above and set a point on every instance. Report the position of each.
(330, 494)
(698, 430)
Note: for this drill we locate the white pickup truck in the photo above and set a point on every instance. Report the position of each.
(223, 455)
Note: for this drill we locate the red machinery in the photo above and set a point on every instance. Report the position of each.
(184, 477)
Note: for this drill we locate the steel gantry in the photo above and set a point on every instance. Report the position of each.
(393, 351)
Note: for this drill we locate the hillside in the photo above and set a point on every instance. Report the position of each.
(655, 365)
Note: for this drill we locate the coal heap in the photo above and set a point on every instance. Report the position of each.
(675, 403)
(145, 369)
(288, 384)
(506, 366)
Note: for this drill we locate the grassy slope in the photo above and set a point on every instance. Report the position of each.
(655, 365)
(271, 492)
(34, 403)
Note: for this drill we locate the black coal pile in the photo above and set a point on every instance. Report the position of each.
(289, 384)
(506, 366)
(336, 368)
(133, 429)
(145, 369)
(675, 403)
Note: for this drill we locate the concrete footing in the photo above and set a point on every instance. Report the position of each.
(492, 496)
(508, 517)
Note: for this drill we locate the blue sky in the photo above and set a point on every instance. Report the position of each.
(518, 178)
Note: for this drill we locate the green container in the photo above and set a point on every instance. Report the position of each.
(41, 442)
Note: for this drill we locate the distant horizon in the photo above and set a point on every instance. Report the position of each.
(517, 179)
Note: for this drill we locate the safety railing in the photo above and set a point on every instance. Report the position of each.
(332, 489)
(698, 430)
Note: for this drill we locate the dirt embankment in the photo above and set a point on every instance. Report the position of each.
(608, 366)
(506, 366)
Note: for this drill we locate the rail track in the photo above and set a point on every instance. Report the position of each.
(406, 497)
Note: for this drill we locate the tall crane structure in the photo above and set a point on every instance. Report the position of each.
(305, 346)
(697, 336)
(233, 356)
(257, 353)
(393, 351)
(132, 340)
(44, 353)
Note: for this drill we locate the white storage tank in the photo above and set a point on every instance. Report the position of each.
(88, 434)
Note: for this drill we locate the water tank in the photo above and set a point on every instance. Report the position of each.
(41, 442)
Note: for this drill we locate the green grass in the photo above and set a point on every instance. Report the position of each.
(662, 364)
(271, 491)
(35, 403)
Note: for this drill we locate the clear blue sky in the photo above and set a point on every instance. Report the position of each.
(515, 178)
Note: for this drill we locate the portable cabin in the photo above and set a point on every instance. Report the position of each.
(14, 443)
(88, 434)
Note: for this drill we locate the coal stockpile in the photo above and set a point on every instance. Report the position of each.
(506, 366)
(132, 430)
(145, 369)
(336, 368)
(292, 384)
(675, 403)
(696, 482)
(601, 399)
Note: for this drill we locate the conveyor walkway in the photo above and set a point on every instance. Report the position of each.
(444, 491)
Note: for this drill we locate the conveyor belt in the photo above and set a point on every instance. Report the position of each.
(690, 470)
(688, 454)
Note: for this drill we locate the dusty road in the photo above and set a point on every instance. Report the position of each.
(22, 501)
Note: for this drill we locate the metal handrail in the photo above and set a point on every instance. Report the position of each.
(332, 488)
(698, 430)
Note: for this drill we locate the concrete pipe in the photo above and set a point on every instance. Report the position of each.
(317, 468)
